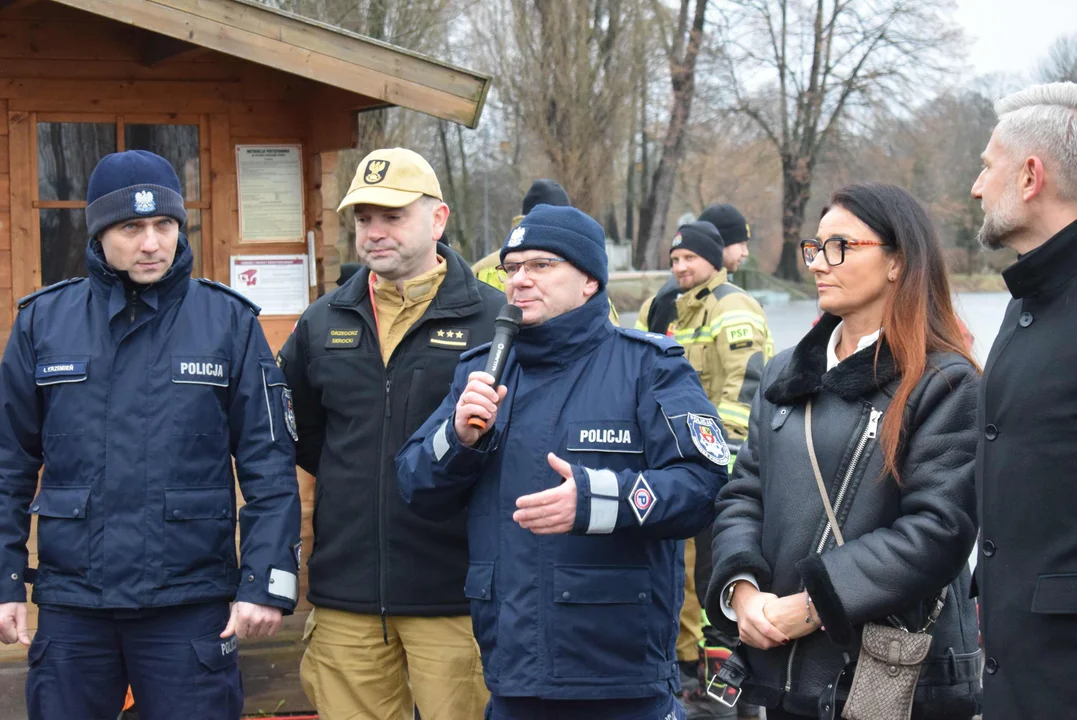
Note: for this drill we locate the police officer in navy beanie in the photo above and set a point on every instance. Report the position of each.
(138, 390)
(568, 233)
(597, 454)
(735, 230)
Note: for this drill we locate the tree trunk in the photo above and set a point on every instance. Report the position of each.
(796, 190)
(649, 251)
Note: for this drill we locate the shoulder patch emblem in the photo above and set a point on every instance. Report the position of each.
(289, 420)
(642, 498)
(708, 438)
(516, 237)
(739, 336)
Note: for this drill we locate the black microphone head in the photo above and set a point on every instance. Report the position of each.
(509, 319)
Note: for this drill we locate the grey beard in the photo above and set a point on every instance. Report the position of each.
(991, 235)
(996, 228)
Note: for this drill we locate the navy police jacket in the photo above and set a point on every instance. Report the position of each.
(135, 401)
(592, 614)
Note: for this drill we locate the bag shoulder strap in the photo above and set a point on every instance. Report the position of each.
(819, 477)
(940, 599)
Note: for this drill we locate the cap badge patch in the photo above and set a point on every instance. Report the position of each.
(144, 202)
(516, 237)
(676, 240)
(748, 229)
(708, 439)
(642, 499)
(375, 171)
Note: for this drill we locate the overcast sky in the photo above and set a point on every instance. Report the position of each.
(1013, 35)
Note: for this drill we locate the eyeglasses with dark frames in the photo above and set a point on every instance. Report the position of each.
(833, 248)
(534, 267)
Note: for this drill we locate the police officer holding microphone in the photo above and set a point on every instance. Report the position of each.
(581, 473)
(135, 388)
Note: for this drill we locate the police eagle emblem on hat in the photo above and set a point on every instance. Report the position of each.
(375, 171)
(516, 237)
(144, 202)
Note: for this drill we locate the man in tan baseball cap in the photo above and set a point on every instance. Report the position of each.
(392, 178)
(367, 364)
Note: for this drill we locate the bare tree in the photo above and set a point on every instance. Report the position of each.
(800, 69)
(1061, 62)
(564, 72)
(683, 50)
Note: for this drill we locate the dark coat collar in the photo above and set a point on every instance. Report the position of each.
(106, 283)
(458, 295)
(1049, 265)
(563, 339)
(856, 377)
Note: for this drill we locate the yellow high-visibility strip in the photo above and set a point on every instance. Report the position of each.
(733, 412)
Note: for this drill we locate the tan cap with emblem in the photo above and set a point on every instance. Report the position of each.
(391, 178)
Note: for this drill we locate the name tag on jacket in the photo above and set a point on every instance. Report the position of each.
(605, 436)
(60, 371)
(200, 371)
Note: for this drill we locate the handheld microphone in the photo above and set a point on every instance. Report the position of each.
(506, 326)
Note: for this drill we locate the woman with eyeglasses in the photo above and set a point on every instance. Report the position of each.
(891, 391)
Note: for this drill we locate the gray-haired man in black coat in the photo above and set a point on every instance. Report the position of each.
(1027, 565)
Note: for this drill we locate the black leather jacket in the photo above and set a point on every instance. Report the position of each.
(903, 542)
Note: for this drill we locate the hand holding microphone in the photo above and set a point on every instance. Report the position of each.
(476, 410)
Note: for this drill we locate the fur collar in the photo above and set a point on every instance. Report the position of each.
(856, 377)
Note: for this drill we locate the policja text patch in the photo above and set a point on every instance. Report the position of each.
(605, 436)
(200, 371)
(342, 338)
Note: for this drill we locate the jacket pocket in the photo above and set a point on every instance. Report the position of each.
(598, 623)
(696, 354)
(1056, 594)
(63, 535)
(278, 400)
(199, 391)
(38, 646)
(479, 588)
(62, 380)
(215, 653)
(199, 533)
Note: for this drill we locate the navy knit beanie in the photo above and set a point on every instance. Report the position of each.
(729, 221)
(544, 192)
(703, 239)
(567, 233)
(129, 185)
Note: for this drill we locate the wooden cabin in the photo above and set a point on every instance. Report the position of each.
(248, 103)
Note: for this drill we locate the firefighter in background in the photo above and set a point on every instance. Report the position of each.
(726, 339)
(541, 192)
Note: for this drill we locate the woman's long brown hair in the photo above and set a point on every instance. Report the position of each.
(919, 317)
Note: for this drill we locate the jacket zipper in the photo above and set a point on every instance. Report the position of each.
(382, 540)
(386, 429)
(870, 432)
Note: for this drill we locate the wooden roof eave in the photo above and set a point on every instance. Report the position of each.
(309, 49)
